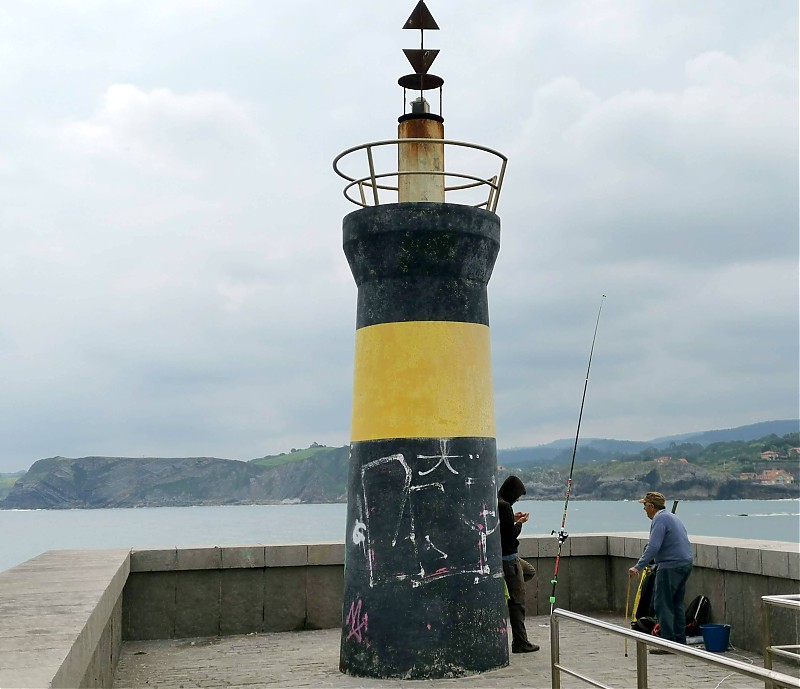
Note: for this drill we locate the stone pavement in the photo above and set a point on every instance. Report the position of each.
(311, 659)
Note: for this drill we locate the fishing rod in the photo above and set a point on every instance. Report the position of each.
(562, 534)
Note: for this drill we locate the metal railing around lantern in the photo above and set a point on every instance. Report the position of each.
(375, 181)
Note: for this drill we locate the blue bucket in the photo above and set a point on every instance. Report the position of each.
(716, 637)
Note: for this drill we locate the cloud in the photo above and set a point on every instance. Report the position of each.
(681, 204)
(683, 175)
(172, 271)
(166, 133)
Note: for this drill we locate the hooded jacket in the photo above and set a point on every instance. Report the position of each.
(511, 490)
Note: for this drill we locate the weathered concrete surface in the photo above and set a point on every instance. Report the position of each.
(423, 589)
(180, 593)
(60, 619)
(301, 585)
(311, 659)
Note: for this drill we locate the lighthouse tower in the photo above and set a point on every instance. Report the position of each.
(423, 589)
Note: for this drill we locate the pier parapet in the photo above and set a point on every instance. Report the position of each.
(67, 613)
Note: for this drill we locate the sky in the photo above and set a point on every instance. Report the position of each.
(172, 281)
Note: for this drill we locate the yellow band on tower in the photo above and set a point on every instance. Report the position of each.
(422, 379)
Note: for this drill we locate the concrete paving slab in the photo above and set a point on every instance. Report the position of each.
(154, 560)
(311, 659)
(238, 557)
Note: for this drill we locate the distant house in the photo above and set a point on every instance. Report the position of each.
(662, 460)
(770, 455)
(794, 451)
(775, 477)
(747, 476)
(683, 460)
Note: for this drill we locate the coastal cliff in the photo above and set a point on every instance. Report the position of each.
(765, 468)
(94, 482)
(623, 481)
(101, 482)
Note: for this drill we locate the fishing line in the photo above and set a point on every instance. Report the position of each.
(562, 534)
(749, 660)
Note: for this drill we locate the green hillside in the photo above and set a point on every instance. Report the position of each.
(730, 456)
(7, 482)
(721, 470)
(763, 468)
(315, 450)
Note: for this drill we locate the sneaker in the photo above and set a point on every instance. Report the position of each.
(659, 652)
(527, 647)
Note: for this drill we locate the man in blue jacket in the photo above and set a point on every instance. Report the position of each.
(669, 546)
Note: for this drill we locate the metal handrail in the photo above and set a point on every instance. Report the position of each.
(494, 182)
(791, 651)
(777, 679)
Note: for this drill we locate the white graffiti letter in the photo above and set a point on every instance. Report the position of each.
(358, 532)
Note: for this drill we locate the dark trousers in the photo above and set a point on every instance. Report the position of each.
(668, 594)
(516, 573)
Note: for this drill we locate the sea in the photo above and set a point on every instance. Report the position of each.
(27, 533)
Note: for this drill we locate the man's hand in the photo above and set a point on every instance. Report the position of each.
(633, 572)
(521, 517)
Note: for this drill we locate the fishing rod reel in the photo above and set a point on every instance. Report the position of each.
(561, 536)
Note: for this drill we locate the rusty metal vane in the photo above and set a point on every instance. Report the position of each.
(421, 18)
(421, 60)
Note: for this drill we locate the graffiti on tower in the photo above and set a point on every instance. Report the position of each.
(407, 530)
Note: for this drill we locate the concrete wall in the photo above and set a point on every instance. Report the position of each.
(60, 619)
(103, 661)
(210, 591)
(179, 593)
(64, 614)
(584, 582)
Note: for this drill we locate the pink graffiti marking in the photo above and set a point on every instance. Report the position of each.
(357, 623)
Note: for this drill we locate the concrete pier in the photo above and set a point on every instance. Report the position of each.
(310, 659)
(68, 617)
(61, 619)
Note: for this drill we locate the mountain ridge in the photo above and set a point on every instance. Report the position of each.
(555, 451)
(319, 474)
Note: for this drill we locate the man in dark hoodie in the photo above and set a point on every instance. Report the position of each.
(515, 570)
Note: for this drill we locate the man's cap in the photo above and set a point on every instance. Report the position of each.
(655, 499)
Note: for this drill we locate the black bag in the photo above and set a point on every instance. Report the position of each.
(646, 625)
(697, 612)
